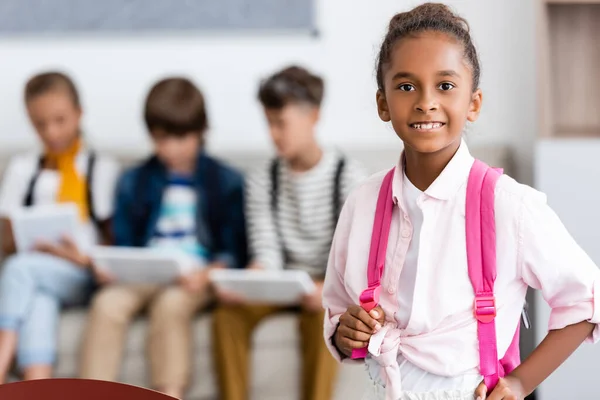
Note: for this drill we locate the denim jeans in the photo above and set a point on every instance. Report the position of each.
(33, 289)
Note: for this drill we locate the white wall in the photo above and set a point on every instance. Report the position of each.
(114, 74)
(565, 170)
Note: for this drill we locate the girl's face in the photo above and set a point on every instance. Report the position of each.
(428, 92)
(56, 119)
(292, 129)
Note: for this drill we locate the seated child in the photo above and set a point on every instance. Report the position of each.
(34, 286)
(180, 199)
(292, 206)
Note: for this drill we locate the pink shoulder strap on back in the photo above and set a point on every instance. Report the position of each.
(481, 257)
(369, 298)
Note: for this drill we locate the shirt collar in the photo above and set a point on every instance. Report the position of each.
(453, 176)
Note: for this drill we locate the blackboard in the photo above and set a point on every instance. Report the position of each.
(38, 17)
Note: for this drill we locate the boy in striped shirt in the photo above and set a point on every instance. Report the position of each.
(292, 205)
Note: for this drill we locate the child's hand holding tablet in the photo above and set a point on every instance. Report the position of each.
(287, 287)
(44, 225)
(66, 249)
(143, 265)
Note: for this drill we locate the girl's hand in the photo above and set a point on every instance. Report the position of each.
(508, 388)
(65, 249)
(356, 328)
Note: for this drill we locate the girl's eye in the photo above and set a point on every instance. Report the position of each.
(446, 86)
(406, 87)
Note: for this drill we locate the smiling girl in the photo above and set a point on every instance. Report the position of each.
(423, 335)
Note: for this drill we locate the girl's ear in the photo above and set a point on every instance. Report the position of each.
(382, 106)
(475, 107)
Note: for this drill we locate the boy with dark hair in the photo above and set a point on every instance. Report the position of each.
(181, 200)
(292, 206)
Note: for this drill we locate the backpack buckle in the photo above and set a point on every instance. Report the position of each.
(485, 308)
(369, 298)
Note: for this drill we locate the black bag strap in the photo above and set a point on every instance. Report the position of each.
(274, 173)
(88, 187)
(28, 199)
(337, 190)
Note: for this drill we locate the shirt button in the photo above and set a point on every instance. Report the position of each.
(406, 217)
(405, 233)
(391, 290)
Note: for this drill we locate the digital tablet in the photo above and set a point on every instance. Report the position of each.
(285, 287)
(142, 265)
(46, 223)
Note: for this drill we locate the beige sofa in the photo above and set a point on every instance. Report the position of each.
(276, 363)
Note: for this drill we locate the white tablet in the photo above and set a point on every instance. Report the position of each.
(142, 265)
(48, 223)
(273, 287)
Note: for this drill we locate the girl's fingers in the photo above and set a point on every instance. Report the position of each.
(353, 344)
(354, 334)
(378, 314)
(362, 315)
(481, 391)
(355, 323)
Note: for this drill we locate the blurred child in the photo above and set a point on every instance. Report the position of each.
(292, 206)
(34, 286)
(180, 199)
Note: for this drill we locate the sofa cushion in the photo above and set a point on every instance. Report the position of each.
(275, 360)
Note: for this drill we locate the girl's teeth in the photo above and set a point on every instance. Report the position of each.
(428, 126)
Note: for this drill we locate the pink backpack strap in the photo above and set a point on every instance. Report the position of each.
(481, 258)
(369, 298)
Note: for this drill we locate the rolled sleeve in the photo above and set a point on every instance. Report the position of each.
(555, 264)
(595, 336)
(331, 324)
